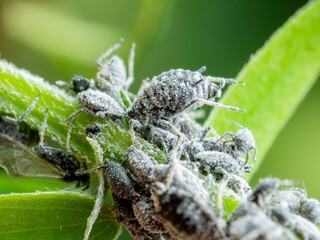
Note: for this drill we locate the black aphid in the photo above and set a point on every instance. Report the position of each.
(78, 84)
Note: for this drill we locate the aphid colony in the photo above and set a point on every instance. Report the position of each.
(170, 200)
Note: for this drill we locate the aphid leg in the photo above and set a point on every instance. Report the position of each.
(186, 117)
(246, 162)
(238, 124)
(43, 127)
(17, 121)
(78, 112)
(131, 65)
(222, 187)
(206, 131)
(3, 98)
(68, 137)
(216, 104)
(100, 195)
(255, 155)
(145, 83)
(101, 79)
(133, 123)
(201, 70)
(165, 123)
(174, 166)
(108, 53)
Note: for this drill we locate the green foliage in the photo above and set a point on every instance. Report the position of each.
(53, 215)
(277, 79)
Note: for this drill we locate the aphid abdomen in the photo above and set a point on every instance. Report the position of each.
(98, 101)
(140, 164)
(211, 161)
(185, 214)
(119, 181)
(144, 210)
(59, 158)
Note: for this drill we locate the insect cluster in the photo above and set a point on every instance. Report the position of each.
(183, 197)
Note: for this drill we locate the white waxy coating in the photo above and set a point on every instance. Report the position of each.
(98, 101)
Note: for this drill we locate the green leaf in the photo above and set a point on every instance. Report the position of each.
(53, 215)
(277, 79)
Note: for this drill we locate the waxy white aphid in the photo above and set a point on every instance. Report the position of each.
(112, 70)
(98, 104)
(174, 92)
(243, 140)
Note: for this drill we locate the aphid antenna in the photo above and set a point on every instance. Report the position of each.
(68, 137)
(174, 168)
(214, 104)
(131, 65)
(224, 80)
(222, 187)
(238, 124)
(43, 127)
(3, 98)
(109, 52)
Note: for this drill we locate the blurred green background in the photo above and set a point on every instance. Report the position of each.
(56, 39)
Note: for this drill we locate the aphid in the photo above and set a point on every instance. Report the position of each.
(189, 127)
(186, 214)
(299, 225)
(262, 193)
(188, 177)
(21, 160)
(244, 141)
(113, 70)
(310, 209)
(127, 214)
(144, 212)
(212, 162)
(141, 165)
(162, 138)
(98, 104)
(303, 227)
(249, 222)
(78, 84)
(239, 185)
(191, 149)
(119, 181)
(138, 232)
(174, 92)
